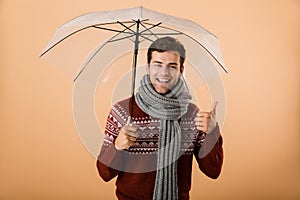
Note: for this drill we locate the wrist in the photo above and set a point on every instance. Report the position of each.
(212, 125)
(118, 148)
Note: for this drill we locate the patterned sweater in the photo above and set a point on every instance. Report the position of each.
(135, 168)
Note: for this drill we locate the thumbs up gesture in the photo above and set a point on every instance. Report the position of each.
(126, 136)
(206, 121)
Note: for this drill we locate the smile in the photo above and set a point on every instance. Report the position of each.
(163, 80)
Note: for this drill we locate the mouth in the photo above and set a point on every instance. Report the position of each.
(163, 80)
(162, 84)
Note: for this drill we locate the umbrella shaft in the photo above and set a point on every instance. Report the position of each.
(136, 49)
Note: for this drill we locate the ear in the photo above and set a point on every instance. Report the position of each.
(181, 69)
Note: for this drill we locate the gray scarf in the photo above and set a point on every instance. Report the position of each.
(168, 108)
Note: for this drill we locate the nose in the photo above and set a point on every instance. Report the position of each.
(164, 70)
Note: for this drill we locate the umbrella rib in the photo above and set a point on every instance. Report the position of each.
(142, 34)
(63, 40)
(109, 29)
(154, 34)
(133, 21)
(147, 38)
(95, 26)
(126, 27)
(82, 69)
(109, 23)
(153, 26)
(114, 40)
(162, 34)
(146, 28)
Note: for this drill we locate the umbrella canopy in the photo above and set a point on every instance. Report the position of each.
(127, 18)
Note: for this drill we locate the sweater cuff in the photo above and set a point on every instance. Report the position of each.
(108, 154)
(212, 124)
(212, 141)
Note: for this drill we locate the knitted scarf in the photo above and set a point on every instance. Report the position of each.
(168, 108)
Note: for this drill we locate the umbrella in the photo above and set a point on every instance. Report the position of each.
(129, 30)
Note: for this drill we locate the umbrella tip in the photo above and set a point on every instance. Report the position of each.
(43, 53)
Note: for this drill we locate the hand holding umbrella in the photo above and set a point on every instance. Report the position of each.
(126, 137)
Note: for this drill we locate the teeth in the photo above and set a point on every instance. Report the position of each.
(163, 80)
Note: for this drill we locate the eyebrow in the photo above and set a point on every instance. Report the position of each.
(174, 63)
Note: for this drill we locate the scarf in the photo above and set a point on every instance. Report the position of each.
(168, 108)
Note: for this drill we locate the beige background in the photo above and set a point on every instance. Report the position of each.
(41, 156)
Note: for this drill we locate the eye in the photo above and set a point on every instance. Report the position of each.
(172, 66)
(157, 65)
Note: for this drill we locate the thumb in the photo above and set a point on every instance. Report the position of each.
(213, 108)
(128, 120)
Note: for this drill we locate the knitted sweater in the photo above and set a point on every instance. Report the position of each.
(135, 168)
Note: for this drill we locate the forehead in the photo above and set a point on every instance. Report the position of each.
(165, 57)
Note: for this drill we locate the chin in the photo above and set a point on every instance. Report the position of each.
(162, 91)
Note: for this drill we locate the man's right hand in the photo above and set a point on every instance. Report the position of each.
(126, 137)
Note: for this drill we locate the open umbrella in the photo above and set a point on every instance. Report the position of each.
(114, 33)
(137, 25)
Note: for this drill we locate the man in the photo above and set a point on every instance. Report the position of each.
(151, 148)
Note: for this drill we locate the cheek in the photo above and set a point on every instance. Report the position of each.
(152, 72)
(176, 74)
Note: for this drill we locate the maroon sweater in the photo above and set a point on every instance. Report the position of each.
(135, 168)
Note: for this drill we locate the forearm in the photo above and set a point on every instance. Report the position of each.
(210, 154)
(106, 163)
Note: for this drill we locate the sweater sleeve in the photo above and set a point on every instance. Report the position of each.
(110, 159)
(209, 153)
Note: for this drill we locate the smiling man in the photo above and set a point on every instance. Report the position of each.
(151, 150)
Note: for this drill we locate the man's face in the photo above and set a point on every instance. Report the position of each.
(164, 70)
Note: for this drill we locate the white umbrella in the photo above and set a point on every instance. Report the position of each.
(132, 19)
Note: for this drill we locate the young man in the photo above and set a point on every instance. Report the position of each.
(150, 151)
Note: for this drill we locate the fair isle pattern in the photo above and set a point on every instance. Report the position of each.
(148, 130)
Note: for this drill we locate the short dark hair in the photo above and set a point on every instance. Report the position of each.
(167, 44)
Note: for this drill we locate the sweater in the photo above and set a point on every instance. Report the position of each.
(135, 168)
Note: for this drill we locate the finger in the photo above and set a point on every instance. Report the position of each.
(125, 142)
(199, 114)
(202, 127)
(132, 139)
(202, 119)
(130, 143)
(121, 142)
(213, 107)
(202, 123)
(197, 118)
(131, 128)
(204, 114)
(131, 134)
(128, 120)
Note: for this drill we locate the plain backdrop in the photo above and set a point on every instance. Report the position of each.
(42, 157)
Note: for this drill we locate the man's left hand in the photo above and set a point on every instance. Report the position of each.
(206, 121)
